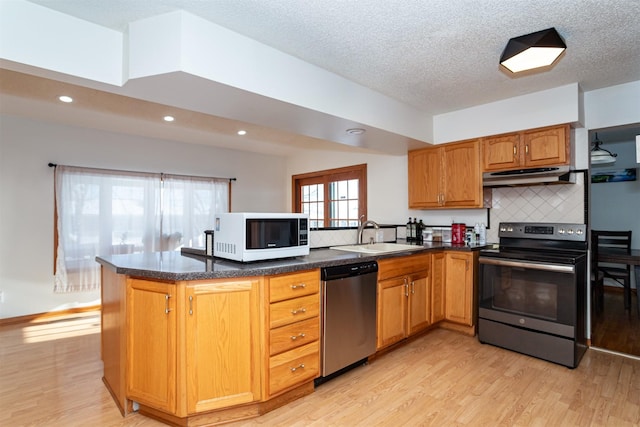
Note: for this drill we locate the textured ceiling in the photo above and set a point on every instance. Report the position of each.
(433, 55)
(436, 55)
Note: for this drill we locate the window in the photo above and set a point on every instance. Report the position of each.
(102, 212)
(332, 198)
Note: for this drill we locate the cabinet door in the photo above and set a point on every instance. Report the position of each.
(222, 344)
(392, 311)
(462, 177)
(425, 178)
(501, 152)
(547, 146)
(151, 344)
(437, 287)
(419, 302)
(459, 287)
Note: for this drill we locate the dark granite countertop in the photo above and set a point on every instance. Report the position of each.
(190, 266)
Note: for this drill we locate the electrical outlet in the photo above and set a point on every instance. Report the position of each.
(1, 296)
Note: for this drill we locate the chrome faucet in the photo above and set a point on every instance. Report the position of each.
(362, 226)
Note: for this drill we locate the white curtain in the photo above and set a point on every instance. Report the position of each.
(189, 207)
(102, 212)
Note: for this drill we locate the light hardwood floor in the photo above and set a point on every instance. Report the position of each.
(50, 375)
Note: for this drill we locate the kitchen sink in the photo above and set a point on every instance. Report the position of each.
(378, 248)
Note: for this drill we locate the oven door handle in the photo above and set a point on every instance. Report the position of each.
(529, 264)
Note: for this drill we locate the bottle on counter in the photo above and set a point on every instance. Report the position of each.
(483, 234)
(419, 230)
(408, 231)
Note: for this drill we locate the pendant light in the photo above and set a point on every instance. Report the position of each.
(535, 50)
(600, 156)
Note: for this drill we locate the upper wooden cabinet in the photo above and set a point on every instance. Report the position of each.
(446, 176)
(547, 146)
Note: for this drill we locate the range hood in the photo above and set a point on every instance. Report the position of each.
(532, 176)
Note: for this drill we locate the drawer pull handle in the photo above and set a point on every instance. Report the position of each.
(300, 310)
(301, 285)
(300, 366)
(295, 337)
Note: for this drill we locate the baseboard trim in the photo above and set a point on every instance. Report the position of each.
(43, 317)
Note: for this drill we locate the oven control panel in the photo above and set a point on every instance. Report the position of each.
(550, 231)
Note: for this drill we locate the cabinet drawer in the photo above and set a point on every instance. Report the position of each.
(285, 312)
(294, 367)
(294, 335)
(396, 267)
(294, 285)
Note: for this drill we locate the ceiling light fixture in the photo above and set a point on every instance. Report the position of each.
(168, 118)
(355, 131)
(535, 50)
(65, 98)
(600, 156)
(242, 132)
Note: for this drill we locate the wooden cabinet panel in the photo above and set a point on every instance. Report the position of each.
(294, 285)
(403, 297)
(419, 302)
(437, 287)
(425, 178)
(501, 152)
(392, 311)
(402, 266)
(294, 322)
(549, 146)
(293, 310)
(445, 176)
(462, 176)
(294, 367)
(222, 343)
(459, 272)
(151, 344)
(294, 335)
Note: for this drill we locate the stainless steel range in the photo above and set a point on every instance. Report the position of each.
(532, 291)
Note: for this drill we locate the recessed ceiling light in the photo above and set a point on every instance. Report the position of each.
(169, 118)
(65, 98)
(242, 132)
(355, 131)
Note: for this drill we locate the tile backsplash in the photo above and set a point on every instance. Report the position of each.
(564, 203)
(325, 238)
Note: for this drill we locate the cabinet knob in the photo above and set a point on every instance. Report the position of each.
(300, 366)
(300, 335)
(301, 285)
(299, 310)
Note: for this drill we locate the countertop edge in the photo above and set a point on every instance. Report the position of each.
(185, 267)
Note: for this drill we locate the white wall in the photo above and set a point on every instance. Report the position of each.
(616, 205)
(26, 195)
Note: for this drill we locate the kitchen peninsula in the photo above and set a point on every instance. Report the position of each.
(192, 340)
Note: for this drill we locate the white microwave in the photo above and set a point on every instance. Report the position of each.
(249, 236)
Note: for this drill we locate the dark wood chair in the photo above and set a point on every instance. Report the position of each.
(621, 273)
(597, 277)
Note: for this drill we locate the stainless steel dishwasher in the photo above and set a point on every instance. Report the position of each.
(348, 316)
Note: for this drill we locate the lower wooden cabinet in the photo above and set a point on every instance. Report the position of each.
(222, 344)
(437, 287)
(216, 326)
(151, 344)
(294, 330)
(460, 286)
(403, 298)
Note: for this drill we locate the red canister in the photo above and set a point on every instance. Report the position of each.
(457, 233)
